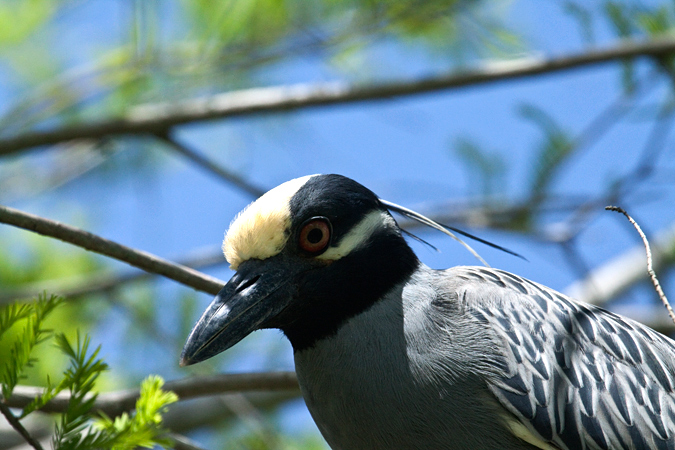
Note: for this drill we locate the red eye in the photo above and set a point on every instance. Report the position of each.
(315, 235)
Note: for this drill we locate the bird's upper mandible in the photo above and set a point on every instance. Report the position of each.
(391, 354)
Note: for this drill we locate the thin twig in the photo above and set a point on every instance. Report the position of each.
(94, 243)
(650, 268)
(181, 442)
(114, 403)
(211, 166)
(493, 216)
(160, 118)
(598, 126)
(617, 275)
(14, 422)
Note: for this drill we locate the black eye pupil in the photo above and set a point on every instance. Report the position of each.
(315, 236)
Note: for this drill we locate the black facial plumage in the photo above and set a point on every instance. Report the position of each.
(333, 292)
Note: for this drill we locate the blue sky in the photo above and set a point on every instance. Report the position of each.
(401, 149)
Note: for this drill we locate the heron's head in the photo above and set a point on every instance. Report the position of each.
(309, 254)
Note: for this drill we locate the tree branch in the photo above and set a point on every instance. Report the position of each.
(210, 166)
(14, 422)
(89, 241)
(180, 417)
(201, 412)
(160, 118)
(115, 403)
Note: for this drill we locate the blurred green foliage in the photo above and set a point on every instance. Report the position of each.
(175, 50)
(44, 260)
(21, 18)
(215, 46)
(144, 427)
(78, 427)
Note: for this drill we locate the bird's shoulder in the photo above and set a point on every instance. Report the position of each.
(572, 374)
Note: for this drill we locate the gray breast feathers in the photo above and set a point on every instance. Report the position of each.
(574, 375)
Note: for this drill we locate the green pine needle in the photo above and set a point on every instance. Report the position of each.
(79, 427)
(144, 427)
(34, 315)
(80, 377)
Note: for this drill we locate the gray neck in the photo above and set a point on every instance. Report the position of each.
(370, 385)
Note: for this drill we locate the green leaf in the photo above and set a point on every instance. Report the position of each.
(76, 428)
(11, 314)
(619, 17)
(655, 22)
(49, 393)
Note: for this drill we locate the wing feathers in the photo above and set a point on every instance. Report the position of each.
(577, 376)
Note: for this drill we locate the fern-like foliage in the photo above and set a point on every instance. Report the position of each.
(79, 378)
(33, 314)
(80, 427)
(11, 314)
(144, 427)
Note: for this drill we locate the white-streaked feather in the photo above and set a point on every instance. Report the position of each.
(575, 375)
(433, 224)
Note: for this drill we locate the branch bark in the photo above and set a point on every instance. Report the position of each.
(91, 242)
(158, 119)
(115, 403)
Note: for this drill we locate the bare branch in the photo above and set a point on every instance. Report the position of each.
(14, 422)
(36, 425)
(115, 403)
(211, 166)
(650, 268)
(160, 118)
(89, 241)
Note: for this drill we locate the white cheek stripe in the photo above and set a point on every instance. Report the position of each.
(359, 235)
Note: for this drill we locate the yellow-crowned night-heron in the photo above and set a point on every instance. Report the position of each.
(391, 354)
